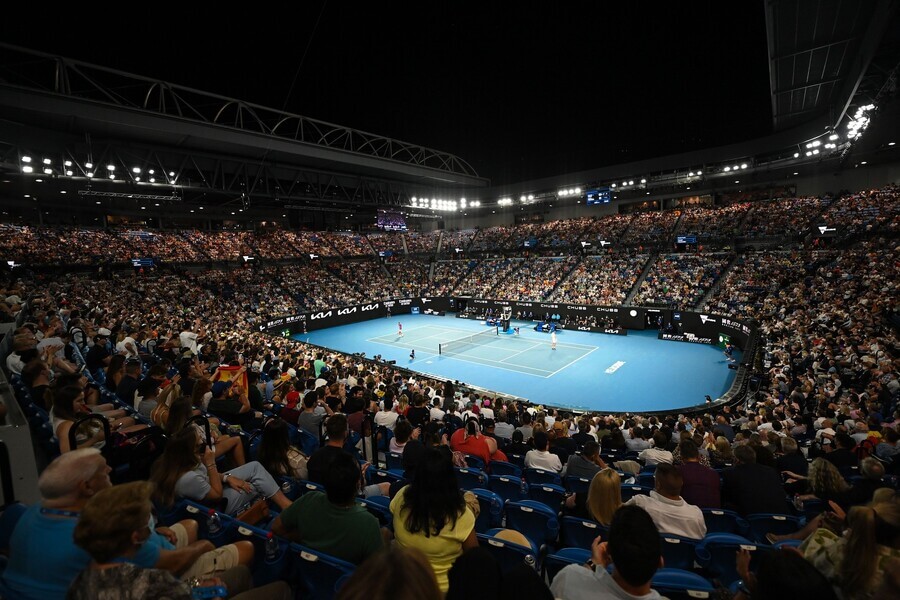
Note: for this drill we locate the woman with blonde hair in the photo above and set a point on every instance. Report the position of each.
(824, 482)
(603, 498)
(855, 563)
(722, 454)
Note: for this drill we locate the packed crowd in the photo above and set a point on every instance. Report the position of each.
(387, 242)
(447, 275)
(423, 243)
(538, 277)
(866, 212)
(713, 224)
(348, 244)
(453, 240)
(487, 275)
(783, 217)
(680, 280)
(650, 228)
(822, 431)
(604, 280)
(410, 277)
(491, 239)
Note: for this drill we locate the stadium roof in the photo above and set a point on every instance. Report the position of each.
(819, 52)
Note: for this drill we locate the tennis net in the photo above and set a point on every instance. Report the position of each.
(476, 339)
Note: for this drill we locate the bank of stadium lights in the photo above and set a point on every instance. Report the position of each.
(859, 122)
(504, 202)
(566, 192)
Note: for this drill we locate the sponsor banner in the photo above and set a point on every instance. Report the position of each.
(687, 337)
(542, 305)
(575, 307)
(368, 307)
(405, 302)
(606, 309)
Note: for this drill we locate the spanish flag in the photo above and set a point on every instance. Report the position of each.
(236, 375)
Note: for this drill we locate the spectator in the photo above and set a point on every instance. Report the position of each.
(603, 499)
(633, 550)
(749, 488)
(587, 464)
(187, 469)
(337, 430)
(700, 484)
(397, 573)
(657, 453)
(540, 457)
(430, 514)
(333, 522)
(314, 412)
(276, 454)
(670, 512)
(855, 562)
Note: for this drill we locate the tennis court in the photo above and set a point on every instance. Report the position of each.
(587, 371)
(527, 355)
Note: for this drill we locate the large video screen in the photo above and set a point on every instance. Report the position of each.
(391, 220)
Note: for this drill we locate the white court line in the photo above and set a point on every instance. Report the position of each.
(571, 363)
(495, 365)
(397, 339)
(537, 345)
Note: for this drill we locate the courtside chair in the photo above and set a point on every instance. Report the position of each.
(716, 554)
(500, 467)
(581, 533)
(719, 520)
(547, 493)
(469, 479)
(491, 514)
(556, 562)
(318, 575)
(677, 584)
(678, 552)
(533, 476)
(761, 524)
(507, 487)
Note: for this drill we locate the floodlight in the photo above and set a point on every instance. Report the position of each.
(691, 174)
(613, 185)
(69, 173)
(744, 165)
(578, 190)
(68, 163)
(48, 171)
(26, 159)
(110, 167)
(27, 169)
(631, 182)
(135, 169)
(833, 136)
(47, 161)
(796, 155)
(726, 169)
(88, 165)
(152, 180)
(531, 196)
(643, 181)
(89, 174)
(699, 172)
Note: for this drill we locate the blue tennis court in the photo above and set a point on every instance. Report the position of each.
(589, 371)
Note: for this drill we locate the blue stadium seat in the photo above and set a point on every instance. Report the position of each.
(307, 442)
(677, 584)
(719, 520)
(716, 553)
(577, 484)
(317, 574)
(475, 462)
(678, 552)
(264, 571)
(289, 486)
(554, 563)
(581, 533)
(491, 514)
(547, 493)
(646, 479)
(509, 555)
(761, 524)
(507, 487)
(500, 467)
(310, 486)
(380, 508)
(533, 476)
(517, 459)
(628, 491)
(534, 520)
(469, 478)
(394, 461)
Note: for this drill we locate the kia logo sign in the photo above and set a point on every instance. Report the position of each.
(320, 315)
(368, 307)
(346, 311)
(584, 328)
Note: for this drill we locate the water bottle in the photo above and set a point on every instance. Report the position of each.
(529, 560)
(286, 486)
(213, 523)
(271, 547)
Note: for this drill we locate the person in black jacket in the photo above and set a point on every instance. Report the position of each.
(750, 488)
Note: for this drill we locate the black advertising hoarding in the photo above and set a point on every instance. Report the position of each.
(333, 317)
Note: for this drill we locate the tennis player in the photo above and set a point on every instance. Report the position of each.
(729, 352)
(412, 354)
(399, 329)
(553, 340)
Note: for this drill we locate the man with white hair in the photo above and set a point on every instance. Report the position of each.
(44, 559)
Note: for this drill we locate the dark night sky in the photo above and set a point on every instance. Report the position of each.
(519, 90)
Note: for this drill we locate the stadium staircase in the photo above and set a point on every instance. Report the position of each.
(405, 247)
(437, 251)
(651, 260)
(677, 228)
(183, 234)
(715, 286)
(472, 241)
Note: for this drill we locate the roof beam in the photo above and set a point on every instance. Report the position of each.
(806, 85)
(822, 46)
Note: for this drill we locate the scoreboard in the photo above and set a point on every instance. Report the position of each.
(598, 196)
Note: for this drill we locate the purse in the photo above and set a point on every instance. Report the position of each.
(255, 513)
